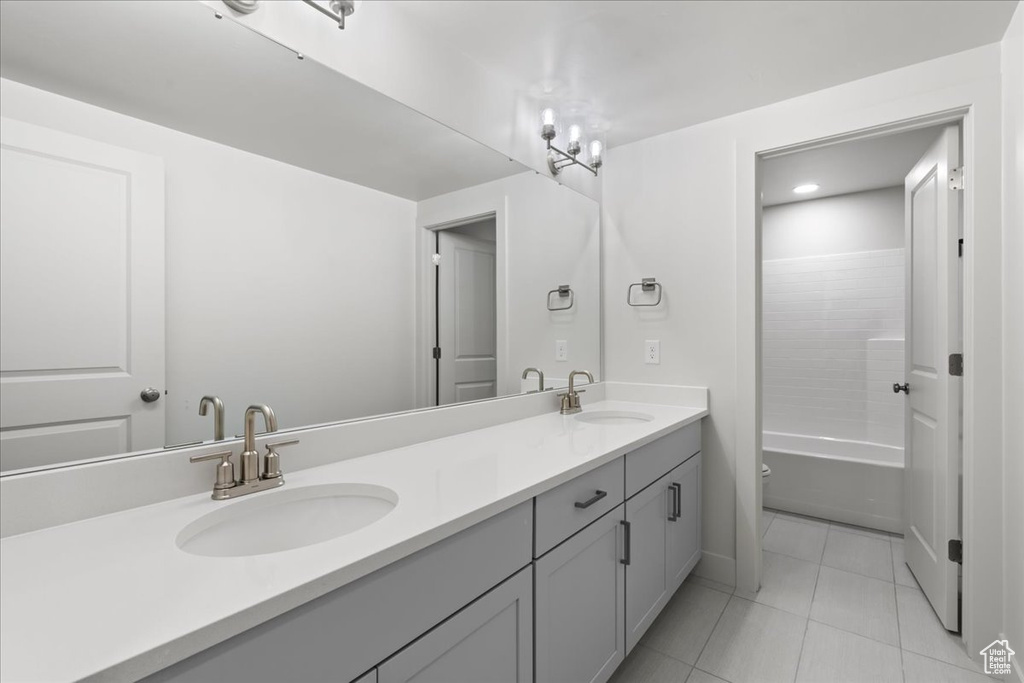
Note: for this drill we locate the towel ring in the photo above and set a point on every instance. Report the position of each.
(648, 284)
(563, 292)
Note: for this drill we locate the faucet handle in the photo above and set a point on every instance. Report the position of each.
(272, 461)
(225, 470)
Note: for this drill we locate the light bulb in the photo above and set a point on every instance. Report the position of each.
(596, 148)
(805, 189)
(547, 124)
(574, 139)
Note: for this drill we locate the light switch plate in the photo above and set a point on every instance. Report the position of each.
(652, 352)
(561, 350)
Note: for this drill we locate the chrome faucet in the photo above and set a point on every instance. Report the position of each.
(540, 377)
(218, 415)
(571, 399)
(250, 478)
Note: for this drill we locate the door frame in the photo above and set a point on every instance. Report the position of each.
(427, 227)
(976, 105)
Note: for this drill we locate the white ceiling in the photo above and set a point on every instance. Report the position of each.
(854, 166)
(174, 64)
(651, 67)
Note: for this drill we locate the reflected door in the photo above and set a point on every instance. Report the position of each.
(81, 298)
(932, 434)
(467, 319)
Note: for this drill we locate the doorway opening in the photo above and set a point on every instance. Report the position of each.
(465, 310)
(860, 305)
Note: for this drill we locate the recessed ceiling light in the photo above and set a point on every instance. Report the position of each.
(805, 189)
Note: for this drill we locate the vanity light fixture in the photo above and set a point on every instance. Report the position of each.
(339, 9)
(807, 188)
(557, 159)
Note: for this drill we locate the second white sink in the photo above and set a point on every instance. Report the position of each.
(614, 417)
(286, 519)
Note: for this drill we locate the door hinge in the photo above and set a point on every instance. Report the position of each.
(956, 550)
(956, 364)
(956, 178)
(437, 353)
(960, 247)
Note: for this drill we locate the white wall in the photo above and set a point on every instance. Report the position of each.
(275, 277)
(673, 209)
(1013, 331)
(832, 345)
(548, 235)
(862, 221)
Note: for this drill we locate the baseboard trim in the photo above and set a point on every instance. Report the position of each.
(716, 567)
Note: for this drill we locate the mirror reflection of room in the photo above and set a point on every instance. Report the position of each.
(261, 254)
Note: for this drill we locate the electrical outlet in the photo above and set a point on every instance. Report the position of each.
(561, 350)
(652, 352)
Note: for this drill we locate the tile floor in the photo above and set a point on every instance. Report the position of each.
(837, 605)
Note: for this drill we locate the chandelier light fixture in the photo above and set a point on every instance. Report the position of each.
(558, 159)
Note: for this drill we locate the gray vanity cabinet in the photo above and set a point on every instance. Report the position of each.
(664, 521)
(580, 605)
(489, 641)
(647, 575)
(683, 537)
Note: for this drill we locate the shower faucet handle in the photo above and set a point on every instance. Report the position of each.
(897, 388)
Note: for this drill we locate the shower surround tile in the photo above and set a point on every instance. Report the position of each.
(832, 345)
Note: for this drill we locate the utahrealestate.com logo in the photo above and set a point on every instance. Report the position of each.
(997, 658)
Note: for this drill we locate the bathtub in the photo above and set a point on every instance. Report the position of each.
(854, 482)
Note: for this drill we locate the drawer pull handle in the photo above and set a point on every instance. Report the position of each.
(677, 499)
(587, 503)
(627, 541)
(673, 515)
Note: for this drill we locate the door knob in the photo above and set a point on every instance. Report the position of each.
(150, 394)
(897, 388)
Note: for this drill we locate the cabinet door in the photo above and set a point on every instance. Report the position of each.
(489, 641)
(684, 530)
(580, 601)
(647, 578)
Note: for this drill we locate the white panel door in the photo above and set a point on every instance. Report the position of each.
(81, 297)
(932, 437)
(467, 317)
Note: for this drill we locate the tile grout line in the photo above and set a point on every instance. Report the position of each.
(807, 624)
(899, 624)
(711, 633)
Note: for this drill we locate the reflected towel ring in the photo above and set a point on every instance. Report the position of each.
(648, 284)
(563, 292)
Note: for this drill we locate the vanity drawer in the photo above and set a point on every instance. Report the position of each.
(647, 463)
(562, 511)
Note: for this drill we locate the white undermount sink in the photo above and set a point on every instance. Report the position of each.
(614, 417)
(272, 522)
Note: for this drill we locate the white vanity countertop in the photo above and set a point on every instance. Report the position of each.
(113, 597)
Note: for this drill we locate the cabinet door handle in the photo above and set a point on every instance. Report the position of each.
(678, 499)
(590, 501)
(673, 514)
(626, 542)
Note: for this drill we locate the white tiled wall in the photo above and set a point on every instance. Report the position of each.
(833, 345)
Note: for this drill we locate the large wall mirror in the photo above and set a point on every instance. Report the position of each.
(189, 209)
